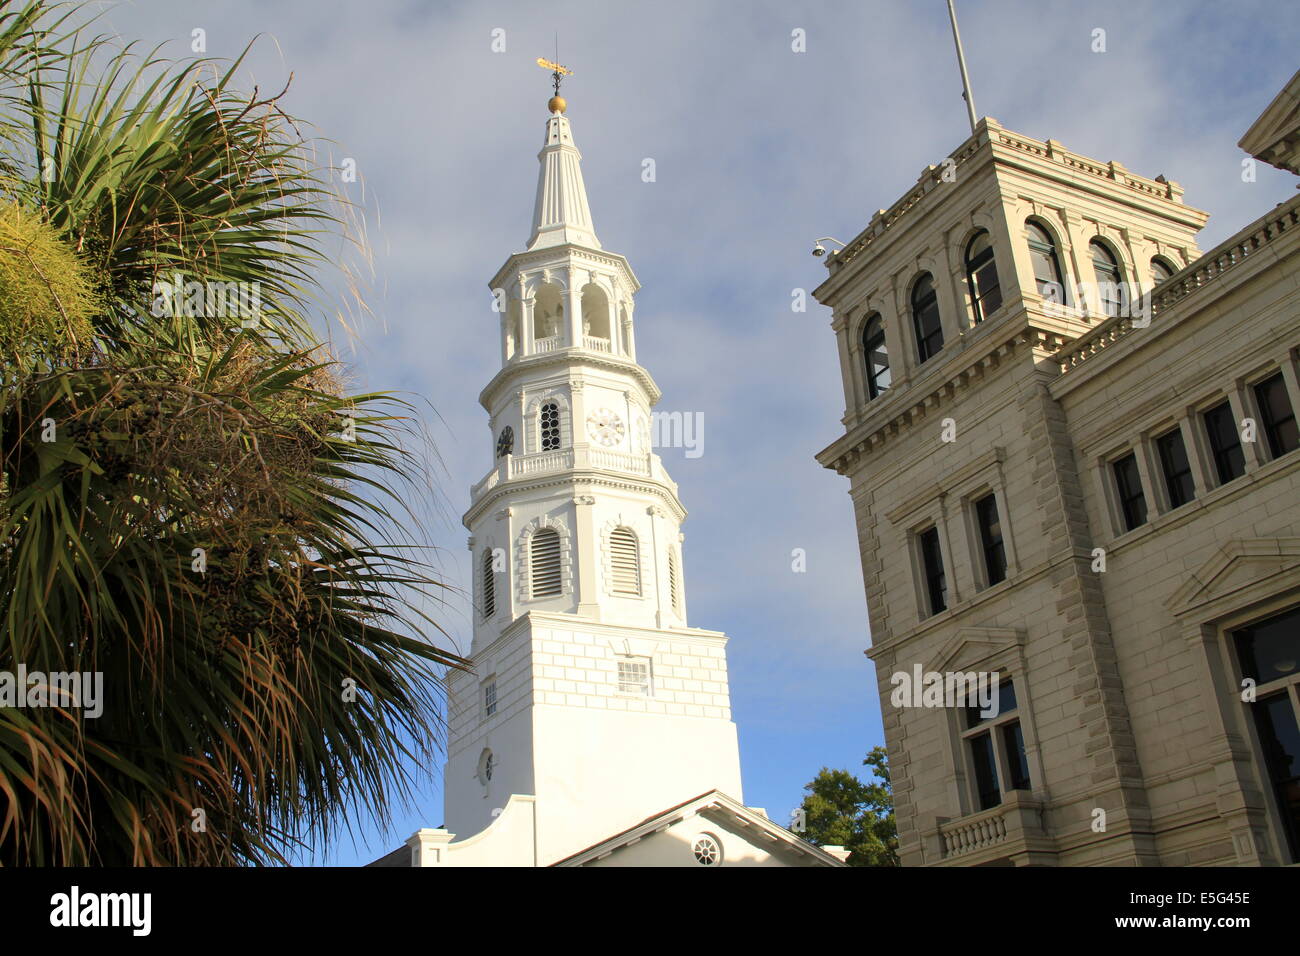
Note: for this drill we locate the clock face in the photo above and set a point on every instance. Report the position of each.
(506, 442)
(605, 427)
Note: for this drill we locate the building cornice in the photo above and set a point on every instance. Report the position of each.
(1262, 244)
(574, 478)
(567, 359)
(552, 256)
(933, 389)
(992, 143)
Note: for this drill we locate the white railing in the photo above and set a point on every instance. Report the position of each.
(618, 461)
(974, 833)
(541, 462)
(563, 459)
(1283, 221)
(548, 344)
(596, 344)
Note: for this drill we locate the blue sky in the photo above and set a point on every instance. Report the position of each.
(758, 151)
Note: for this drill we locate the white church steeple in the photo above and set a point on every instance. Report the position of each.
(561, 214)
(591, 698)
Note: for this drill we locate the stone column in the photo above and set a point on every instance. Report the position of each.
(526, 306)
(573, 307)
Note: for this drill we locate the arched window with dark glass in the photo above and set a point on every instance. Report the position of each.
(875, 356)
(1047, 265)
(925, 318)
(1161, 269)
(982, 277)
(1110, 280)
(548, 426)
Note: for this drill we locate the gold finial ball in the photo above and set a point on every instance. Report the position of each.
(557, 104)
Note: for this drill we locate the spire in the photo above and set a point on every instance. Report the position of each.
(561, 213)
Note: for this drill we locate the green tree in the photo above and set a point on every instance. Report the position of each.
(841, 810)
(191, 502)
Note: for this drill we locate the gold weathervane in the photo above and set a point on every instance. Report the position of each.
(558, 72)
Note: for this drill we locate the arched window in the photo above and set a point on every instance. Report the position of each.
(595, 317)
(1047, 267)
(982, 277)
(674, 600)
(548, 426)
(1110, 280)
(875, 355)
(625, 562)
(489, 585)
(544, 563)
(925, 318)
(548, 317)
(1161, 269)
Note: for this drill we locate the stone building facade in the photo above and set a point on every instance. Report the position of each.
(1071, 443)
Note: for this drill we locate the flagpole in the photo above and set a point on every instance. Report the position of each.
(961, 62)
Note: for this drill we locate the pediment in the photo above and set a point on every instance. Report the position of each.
(1274, 135)
(976, 645)
(741, 835)
(1240, 565)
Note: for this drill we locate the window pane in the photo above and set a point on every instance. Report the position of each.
(1225, 444)
(925, 318)
(877, 358)
(549, 422)
(1279, 736)
(1006, 703)
(1160, 271)
(936, 584)
(1132, 501)
(1109, 279)
(634, 676)
(1177, 469)
(1270, 649)
(1279, 418)
(1013, 742)
(982, 276)
(986, 772)
(1047, 270)
(995, 559)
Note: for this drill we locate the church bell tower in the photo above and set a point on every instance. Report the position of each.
(589, 690)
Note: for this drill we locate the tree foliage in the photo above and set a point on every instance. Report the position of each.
(841, 810)
(191, 503)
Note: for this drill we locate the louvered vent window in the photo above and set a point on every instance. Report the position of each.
(545, 562)
(673, 601)
(624, 562)
(489, 585)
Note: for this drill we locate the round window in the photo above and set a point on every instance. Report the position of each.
(487, 763)
(707, 850)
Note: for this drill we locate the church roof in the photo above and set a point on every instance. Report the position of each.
(720, 808)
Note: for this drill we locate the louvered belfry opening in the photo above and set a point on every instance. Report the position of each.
(545, 563)
(625, 563)
(672, 582)
(489, 585)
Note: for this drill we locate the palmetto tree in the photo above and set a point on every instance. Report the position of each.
(190, 502)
